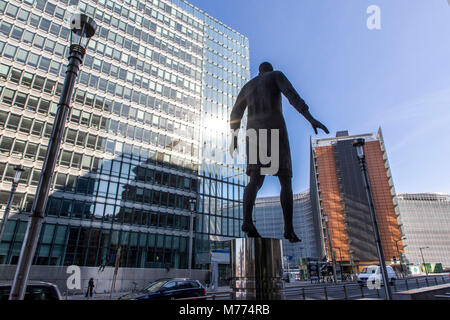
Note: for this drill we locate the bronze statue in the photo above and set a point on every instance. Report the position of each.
(262, 97)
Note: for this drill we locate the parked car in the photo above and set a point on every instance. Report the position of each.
(168, 289)
(374, 273)
(36, 290)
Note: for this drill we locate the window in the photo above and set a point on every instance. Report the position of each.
(32, 149)
(15, 75)
(4, 70)
(23, 15)
(6, 145)
(17, 33)
(48, 130)
(44, 25)
(49, 86)
(37, 128)
(22, 55)
(38, 41)
(42, 153)
(43, 106)
(33, 59)
(59, 49)
(49, 45)
(45, 64)
(3, 117)
(20, 100)
(10, 51)
(59, 13)
(27, 79)
(19, 148)
(5, 28)
(32, 103)
(8, 96)
(55, 67)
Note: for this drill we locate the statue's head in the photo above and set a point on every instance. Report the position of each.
(265, 67)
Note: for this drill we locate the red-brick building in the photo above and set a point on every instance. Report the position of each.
(337, 189)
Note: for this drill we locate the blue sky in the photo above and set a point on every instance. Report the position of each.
(358, 79)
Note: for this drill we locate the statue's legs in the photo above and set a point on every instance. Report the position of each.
(287, 203)
(250, 192)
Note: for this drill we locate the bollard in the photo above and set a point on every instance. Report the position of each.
(435, 281)
(345, 293)
(406, 283)
(303, 293)
(378, 292)
(362, 291)
(325, 291)
(426, 280)
(443, 280)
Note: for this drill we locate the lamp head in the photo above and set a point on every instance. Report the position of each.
(83, 29)
(359, 145)
(192, 203)
(19, 169)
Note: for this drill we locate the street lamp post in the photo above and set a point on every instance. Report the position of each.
(423, 260)
(340, 261)
(359, 145)
(399, 255)
(19, 169)
(192, 207)
(83, 28)
(331, 247)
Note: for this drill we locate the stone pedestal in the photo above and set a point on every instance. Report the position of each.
(257, 269)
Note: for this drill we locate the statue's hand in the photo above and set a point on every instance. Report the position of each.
(318, 125)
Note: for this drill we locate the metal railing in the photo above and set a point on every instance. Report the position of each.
(321, 291)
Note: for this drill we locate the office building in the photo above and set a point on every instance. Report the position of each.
(147, 131)
(268, 217)
(425, 220)
(337, 190)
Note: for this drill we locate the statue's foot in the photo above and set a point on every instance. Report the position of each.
(250, 230)
(292, 237)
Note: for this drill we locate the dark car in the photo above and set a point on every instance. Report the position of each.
(168, 289)
(36, 290)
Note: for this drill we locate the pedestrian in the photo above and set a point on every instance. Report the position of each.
(90, 289)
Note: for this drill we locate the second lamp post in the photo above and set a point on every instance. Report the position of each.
(192, 208)
(359, 145)
(83, 28)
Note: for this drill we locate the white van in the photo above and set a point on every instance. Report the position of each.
(374, 273)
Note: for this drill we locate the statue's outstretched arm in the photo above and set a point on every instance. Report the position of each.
(297, 102)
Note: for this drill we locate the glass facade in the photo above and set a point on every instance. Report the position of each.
(425, 220)
(146, 132)
(269, 221)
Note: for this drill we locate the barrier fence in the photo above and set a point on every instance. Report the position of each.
(339, 291)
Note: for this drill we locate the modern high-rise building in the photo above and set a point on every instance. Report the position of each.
(147, 131)
(425, 220)
(337, 190)
(269, 221)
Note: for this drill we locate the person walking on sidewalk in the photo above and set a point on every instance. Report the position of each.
(90, 289)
